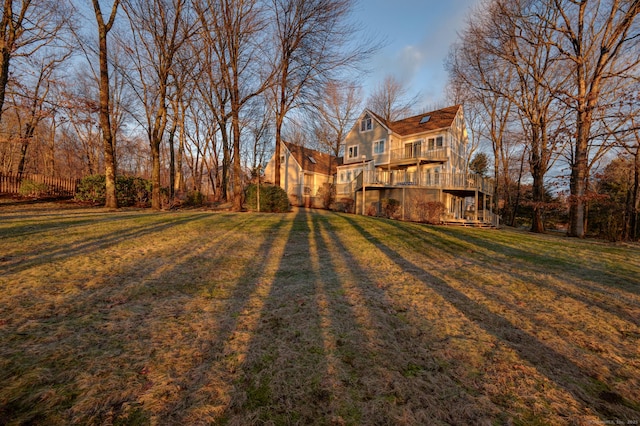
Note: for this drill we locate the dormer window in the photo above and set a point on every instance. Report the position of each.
(366, 124)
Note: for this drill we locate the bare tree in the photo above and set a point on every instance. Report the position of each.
(160, 29)
(108, 139)
(232, 28)
(511, 35)
(338, 108)
(599, 40)
(311, 36)
(26, 27)
(389, 100)
(30, 99)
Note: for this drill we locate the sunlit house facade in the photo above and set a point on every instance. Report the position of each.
(304, 173)
(414, 160)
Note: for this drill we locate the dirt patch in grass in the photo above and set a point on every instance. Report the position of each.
(310, 317)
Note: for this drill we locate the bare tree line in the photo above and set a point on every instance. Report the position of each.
(142, 86)
(554, 82)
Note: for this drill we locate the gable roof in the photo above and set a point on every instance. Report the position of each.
(439, 119)
(314, 161)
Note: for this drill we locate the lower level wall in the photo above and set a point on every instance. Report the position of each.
(409, 198)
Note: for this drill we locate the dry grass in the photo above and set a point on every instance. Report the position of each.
(310, 317)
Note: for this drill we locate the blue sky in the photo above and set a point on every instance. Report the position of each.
(418, 34)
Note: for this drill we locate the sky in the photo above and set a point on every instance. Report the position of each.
(417, 35)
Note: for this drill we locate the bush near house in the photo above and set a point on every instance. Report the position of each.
(327, 194)
(427, 211)
(130, 190)
(390, 208)
(272, 199)
(344, 205)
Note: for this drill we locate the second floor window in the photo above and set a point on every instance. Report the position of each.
(436, 142)
(378, 147)
(366, 124)
(352, 152)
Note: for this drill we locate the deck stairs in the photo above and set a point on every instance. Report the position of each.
(469, 224)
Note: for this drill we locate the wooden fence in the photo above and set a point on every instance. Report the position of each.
(46, 185)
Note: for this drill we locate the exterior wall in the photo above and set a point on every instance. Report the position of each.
(364, 141)
(408, 197)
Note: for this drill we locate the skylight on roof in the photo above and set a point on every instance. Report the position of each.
(425, 119)
(313, 160)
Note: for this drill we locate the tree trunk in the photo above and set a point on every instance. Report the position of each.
(635, 201)
(155, 177)
(226, 163)
(172, 161)
(537, 173)
(108, 141)
(238, 190)
(578, 183)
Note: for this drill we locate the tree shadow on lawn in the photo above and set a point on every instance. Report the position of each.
(555, 366)
(331, 348)
(105, 337)
(85, 247)
(620, 304)
(283, 378)
(625, 280)
(66, 220)
(206, 382)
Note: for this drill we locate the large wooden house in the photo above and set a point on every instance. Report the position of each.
(415, 160)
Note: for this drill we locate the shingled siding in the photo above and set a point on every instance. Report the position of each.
(60, 187)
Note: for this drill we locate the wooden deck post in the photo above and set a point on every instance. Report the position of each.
(475, 210)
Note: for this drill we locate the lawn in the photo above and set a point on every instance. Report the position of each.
(310, 317)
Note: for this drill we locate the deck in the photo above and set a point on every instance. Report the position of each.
(464, 184)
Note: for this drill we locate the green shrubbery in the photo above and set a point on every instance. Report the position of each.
(130, 190)
(194, 199)
(29, 188)
(272, 198)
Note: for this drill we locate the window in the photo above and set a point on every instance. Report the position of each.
(378, 147)
(352, 152)
(366, 124)
(436, 142)
(425, 119)
(313, 160)
(413, 149)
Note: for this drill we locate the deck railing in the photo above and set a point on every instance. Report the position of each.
(417, 152)
(460, 181)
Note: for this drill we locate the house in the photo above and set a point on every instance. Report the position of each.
(303, 173)
(415, 161)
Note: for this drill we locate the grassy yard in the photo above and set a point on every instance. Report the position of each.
(311, 317)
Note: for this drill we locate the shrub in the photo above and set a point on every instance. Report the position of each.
(390, 207)
(327, 194)
(344, 205)
(427, 211)
(272, 198)
(29, 188)
(130, 190)
(194, 198)
(92, 188)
